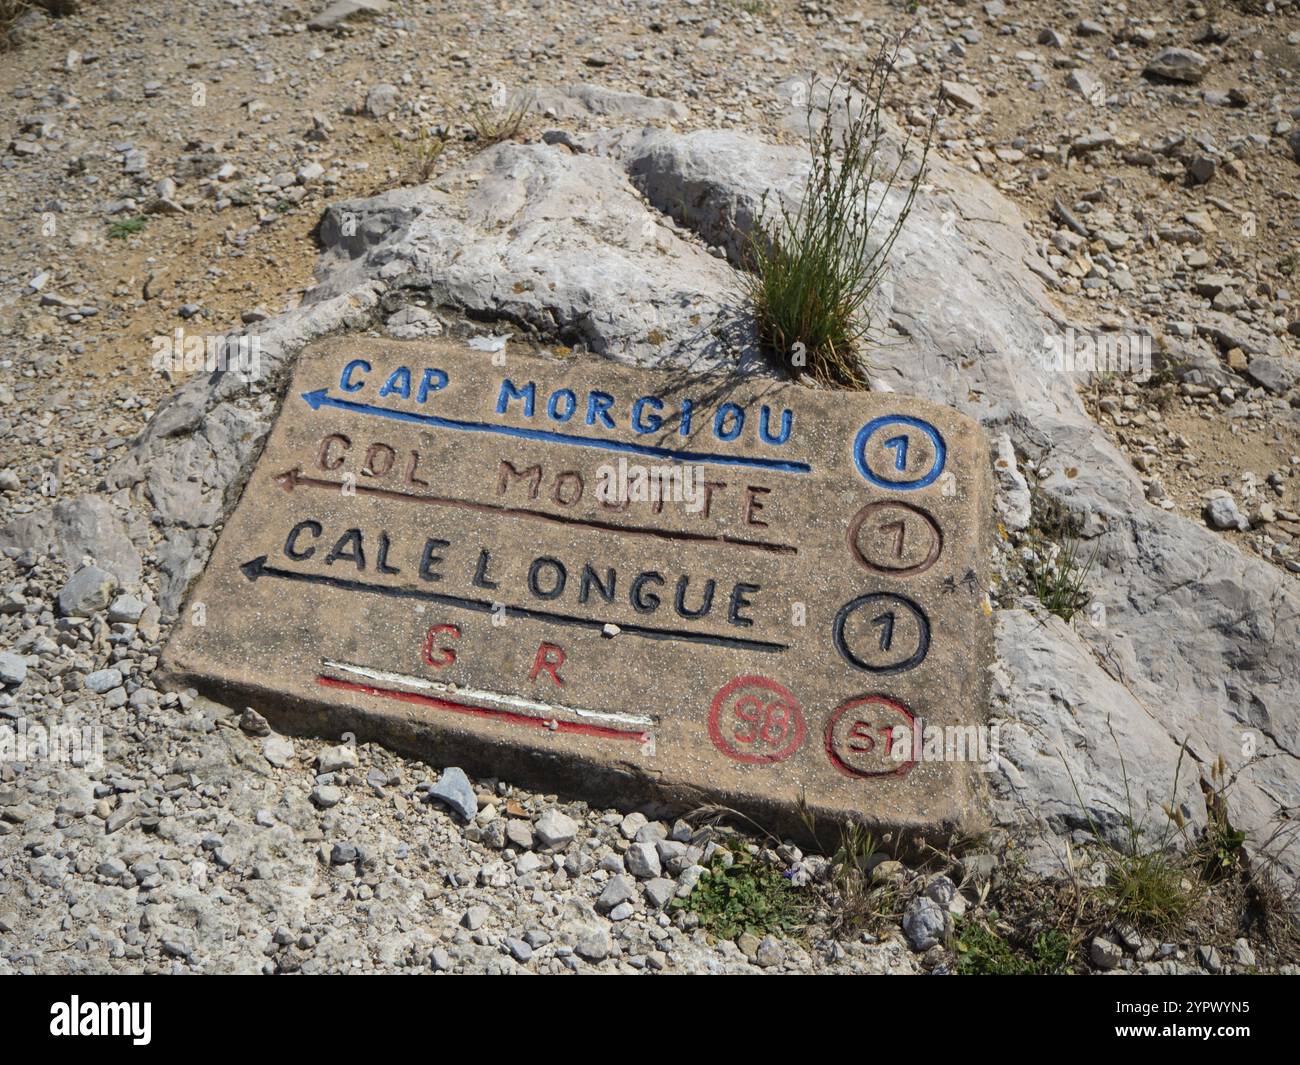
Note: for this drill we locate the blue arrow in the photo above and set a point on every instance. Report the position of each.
(322, 398)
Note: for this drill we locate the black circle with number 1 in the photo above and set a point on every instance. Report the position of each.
(890, 599)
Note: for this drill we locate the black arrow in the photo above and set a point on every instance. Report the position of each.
(257, 567)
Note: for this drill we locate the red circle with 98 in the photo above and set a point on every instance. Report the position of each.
(860, 737)
(756, 720)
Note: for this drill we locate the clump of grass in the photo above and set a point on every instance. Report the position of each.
(814, 267)
(423, 153)
(982, 951)
(125, 227)
(1223, 847)
(1147, 883)
(494, 124)
(10, 12)
(746, 895)
(1060, 577)
(1149, 889)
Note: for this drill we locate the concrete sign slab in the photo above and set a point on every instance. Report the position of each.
(616, 582)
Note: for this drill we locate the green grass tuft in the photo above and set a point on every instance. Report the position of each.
(125, 227)
(814, 267)
(1060, 579)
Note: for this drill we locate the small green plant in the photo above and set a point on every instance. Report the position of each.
(1148, 888)
(1223, 847)
(125, 227)
(422, 154)
(1146, 881)
(495, 124)
(813, 268)
(1287, 264)
(982, 951)
(1060, 577)
(746, 896)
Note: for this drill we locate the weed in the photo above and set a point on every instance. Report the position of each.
(10, 12)
(496, 124)
(746, 896)
(1059, 579)
(814, 268)
(1222, 848)
(125, 227)
(423, 153)
(1147, 884)
(983, 951)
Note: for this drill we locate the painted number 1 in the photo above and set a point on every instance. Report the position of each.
(899, 445)
(886, 623)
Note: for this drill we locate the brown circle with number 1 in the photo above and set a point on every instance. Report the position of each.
(756, 720)
(860, 737)
(895, 538)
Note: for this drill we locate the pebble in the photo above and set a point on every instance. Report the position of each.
(13, 669)
(454, 790)
(555, 830)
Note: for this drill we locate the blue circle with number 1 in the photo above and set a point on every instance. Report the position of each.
(897, 443)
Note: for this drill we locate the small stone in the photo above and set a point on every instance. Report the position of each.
(103, 680)
(326, 795)
(381, 100)
(1221, 513)
(88, 590)
(1274, 372)
(474, 917)
(519, 950)
(1105, 954)
(1243, 955)
(965, 96)
(519, 834)
(278, 750)
(1201, 169)
(343, 854)
(925, 923)
(770, 953)
(659, 892)
(119, 818)
(126, 608)
(454, 790)
(1209, 958)
(555, 830)
(594, 945)
(334, 759)
(13, 669)
(1177, 64)
(440, 960)
(642, 861)
(253, 723)
(1086, 84)
(620, 889)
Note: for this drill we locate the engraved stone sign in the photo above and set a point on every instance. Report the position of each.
(618, 582)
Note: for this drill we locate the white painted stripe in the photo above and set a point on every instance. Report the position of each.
(515, 702)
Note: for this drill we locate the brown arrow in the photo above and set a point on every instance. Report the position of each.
(291, 479)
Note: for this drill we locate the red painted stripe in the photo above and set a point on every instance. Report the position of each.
(579, 728)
